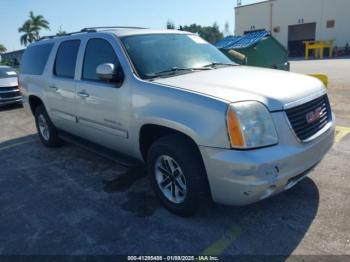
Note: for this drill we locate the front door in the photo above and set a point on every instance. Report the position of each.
(102, 107)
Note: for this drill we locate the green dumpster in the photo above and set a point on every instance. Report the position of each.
(259, 49)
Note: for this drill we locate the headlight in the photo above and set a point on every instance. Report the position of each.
(250, 125)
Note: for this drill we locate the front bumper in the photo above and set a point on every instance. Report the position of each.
(10, 95)
(5, 102)
(244, 177)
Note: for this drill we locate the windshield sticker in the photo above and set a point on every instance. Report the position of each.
(197, 39)
(11, 73)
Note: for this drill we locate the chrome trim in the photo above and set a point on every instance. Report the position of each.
(291, 127)
(319, 133)
(11, 98)
(63, 115)
(103, 127)
(304, 100)
(9, 91)
(313, 137)
(4, 103)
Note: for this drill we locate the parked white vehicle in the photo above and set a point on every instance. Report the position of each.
(9, 92)
(206, 128)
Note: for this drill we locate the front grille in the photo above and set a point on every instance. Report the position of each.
(10, 94)
(299, 117)
(11, 88)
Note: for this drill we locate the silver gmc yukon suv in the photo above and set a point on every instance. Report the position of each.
(206, 128)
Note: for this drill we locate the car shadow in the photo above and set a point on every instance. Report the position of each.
(10, 107)
(70, 201)
(275, 226)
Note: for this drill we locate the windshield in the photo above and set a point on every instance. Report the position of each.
(156, 54)
(7, 73)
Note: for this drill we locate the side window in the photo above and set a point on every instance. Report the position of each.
(66, 59)
(98, 51)
(35, 58)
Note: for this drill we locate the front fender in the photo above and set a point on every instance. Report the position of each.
(200, 117)
(169, 123)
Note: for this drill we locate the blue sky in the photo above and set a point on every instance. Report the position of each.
(72, 15)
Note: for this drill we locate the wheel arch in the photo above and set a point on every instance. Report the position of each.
(34, 102)
(150, 132)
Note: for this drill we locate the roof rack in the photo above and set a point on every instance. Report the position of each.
(90, 30)
(54, 36)
(95, 29)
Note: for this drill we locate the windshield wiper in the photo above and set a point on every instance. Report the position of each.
(214, 64)
(177, 69)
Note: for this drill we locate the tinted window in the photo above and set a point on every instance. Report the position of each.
(66, 59)
(6, 72)
(98, 51)
(34, 59)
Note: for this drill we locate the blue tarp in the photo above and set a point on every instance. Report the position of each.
(240, 42)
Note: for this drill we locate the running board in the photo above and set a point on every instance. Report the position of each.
(110, 154)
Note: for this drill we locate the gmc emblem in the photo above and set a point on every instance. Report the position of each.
(313, 116)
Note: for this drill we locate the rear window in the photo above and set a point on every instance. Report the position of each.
(35, 58)
(7, 72)
(66, 59)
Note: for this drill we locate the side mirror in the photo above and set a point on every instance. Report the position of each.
(108, 72)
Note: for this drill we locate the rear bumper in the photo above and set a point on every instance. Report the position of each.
(244, 177)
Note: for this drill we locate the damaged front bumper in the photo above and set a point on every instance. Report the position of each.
(247, 176)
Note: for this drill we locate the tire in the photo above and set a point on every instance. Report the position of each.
(48, 133)
(189, 176)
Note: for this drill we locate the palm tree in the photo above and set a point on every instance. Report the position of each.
(2, 49)
(38, 22)
(29, 34)
(31, 28)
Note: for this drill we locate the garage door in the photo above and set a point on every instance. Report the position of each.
(297, 34)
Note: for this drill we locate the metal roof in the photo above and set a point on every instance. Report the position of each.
(240, 42)
(258, 3)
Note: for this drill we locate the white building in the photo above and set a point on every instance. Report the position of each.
(295, 21)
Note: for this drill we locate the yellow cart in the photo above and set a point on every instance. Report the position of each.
(318, 47)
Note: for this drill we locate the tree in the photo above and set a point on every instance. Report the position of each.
(210, 33)
(38, 22)
(170, 25)
(29, 34)
(2, 49)
(32, 27)
(227, 29)
(61, 32)
(5, 62)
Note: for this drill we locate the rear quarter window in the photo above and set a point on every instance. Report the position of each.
(35, 58)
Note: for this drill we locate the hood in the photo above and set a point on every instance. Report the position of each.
(8, 82)
(274, 88)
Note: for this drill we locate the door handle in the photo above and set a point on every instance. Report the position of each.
(83, 94)
(54, 88)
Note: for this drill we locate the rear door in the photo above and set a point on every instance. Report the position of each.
(62, 86)
(103, 108)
